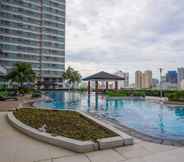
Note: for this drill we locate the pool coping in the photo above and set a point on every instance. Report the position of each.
(121, 139)
(137, 134)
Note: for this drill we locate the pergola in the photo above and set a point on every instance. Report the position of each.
(103, 76)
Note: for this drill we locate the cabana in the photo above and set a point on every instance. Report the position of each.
(103, 76)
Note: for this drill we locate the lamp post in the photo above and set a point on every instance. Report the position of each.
(161, 93)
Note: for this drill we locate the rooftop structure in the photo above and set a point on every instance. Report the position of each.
(102, 76)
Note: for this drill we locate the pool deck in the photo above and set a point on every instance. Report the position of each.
(17, 147)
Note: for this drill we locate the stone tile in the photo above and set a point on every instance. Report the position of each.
(136, 140)
(133, 151)
(77, 158)
(30, 153)
(157, 148)
(59, 152)
(168, 156)
(105, 156)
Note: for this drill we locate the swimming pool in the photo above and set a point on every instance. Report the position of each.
(153, 119)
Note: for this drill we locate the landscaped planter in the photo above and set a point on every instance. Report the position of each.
(121, 139)
(126, 98)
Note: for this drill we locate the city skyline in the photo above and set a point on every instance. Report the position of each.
(118, 35)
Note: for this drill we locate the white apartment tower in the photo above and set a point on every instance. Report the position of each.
(33, 31)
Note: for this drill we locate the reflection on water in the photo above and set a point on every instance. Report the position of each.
(151, 118)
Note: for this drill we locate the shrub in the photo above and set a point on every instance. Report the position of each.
(3, 93)
(176, 96)
(82, 89)
(36, 94)
(25, 90)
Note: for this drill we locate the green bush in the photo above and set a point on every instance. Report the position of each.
(36, 94)
(172, 95)
(176, 96)
(3, 93)
(25, 90)
(125, 93)
(82, 89)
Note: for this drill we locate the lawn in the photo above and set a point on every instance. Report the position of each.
(64, 123)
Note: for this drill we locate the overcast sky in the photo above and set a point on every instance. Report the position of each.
(125, 35)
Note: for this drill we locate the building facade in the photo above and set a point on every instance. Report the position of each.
(138, 79)
(171, 77)
(155, 82)
(147, 79)
(143, 80)
(33, 31)
(180, 77)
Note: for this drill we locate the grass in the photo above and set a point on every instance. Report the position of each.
(65, 123)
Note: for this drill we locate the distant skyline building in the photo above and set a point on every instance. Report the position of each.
(171, 77)
(147, 79)
(138, 79)
(123, 83)
(33, 31)
(143, 80)
(180, 76)
(155, 82)
(182, 85)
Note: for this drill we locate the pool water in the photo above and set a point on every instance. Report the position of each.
(157, 120)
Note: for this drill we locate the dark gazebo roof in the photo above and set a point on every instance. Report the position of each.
(103, 76)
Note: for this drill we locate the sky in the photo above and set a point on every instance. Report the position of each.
(112, 35)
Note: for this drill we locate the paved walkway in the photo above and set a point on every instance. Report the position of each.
(17, 147)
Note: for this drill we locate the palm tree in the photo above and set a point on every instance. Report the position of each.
(72, 76)
(21, 73)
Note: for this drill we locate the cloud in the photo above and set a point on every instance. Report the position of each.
(124, 35)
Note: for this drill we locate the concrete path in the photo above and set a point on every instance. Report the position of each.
(16, 147)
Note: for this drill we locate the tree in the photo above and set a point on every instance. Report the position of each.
(72, 76)
(22, 73)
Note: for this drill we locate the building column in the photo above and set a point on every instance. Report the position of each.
(96, 86)
(107, 85)
(116, 85)
(89, 86)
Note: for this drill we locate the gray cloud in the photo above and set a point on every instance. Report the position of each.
(112, 34)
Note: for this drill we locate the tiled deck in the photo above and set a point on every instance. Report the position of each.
(16, 147)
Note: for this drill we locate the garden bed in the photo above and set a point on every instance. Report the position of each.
(76, 131)
(63, 123)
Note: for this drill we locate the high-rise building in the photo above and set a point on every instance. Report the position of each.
(143, 80)
(182, 85)
(171, 77)
(123, 83)
(33, 31)
(138, 79)
(147, 79)
(155, 82)
(180, 76)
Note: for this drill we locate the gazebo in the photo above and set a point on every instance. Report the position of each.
(103, 76)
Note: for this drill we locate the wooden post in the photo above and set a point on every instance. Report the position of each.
(107, 85)
(116, 85)
(96, 85)
(89, 87)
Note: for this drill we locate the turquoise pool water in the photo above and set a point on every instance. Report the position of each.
(157, 120)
